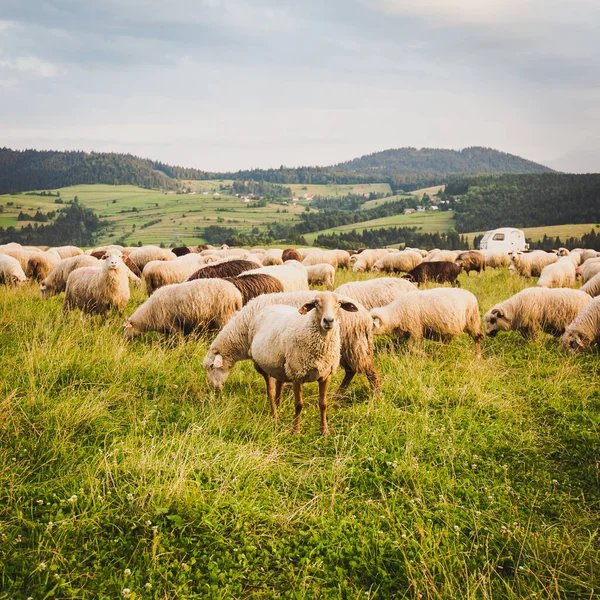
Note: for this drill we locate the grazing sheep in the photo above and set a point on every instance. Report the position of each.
(471, 261)
(343, 258)
(366, 259)
(589, 269)
(186, 307)
(11, 272)
(321, 274)
(423, 253)
(442, 256)
(41, 264)
(536, 309)
(592, 287)
(135, 271)
(68, 251)
(253, 285)
(272, 257)
(228, 268)
(299, 346)
(291, 254)
(398, 262)
(20, 254)
(560, 274)
(496, 260)
(181, 251)
(292, 275)
(233, 342)
(441, 313)
(56, 282)
(158, 273)
(587, 254)
(375, 292)
(584, 330)
(320, 257)
(142, 256)
(439, 272)
(530, 264)
(98, 289)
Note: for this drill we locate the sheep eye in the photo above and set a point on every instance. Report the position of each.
(493, 321)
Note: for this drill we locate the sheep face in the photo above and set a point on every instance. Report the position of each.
(130, 330)
(574, 342)
(113, 260)
(216, 369)
(495, 321)
(327, 309)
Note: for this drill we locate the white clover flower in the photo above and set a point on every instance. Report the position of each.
(148, 523)
(126, 593)
(148, 585)
(129, 496)
(40, 502)
(127, 571)
(42, 566)
(72, 499)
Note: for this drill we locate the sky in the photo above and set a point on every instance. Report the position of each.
(230, 84)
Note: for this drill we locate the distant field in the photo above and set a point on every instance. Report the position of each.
(380, 201)
(430, 191)
(337, 191)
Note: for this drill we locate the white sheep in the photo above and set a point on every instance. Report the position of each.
(321, 274)
(589, 269)
(292, 274)
(442, 256)
(376, 292)
(441, 313)
(11, 272)
(20, 254)
(142, 256)
(530, 264)
(41, 264)
(68, 251)
(158, 273)
(299, 346)
(587, 253)
(99, 289)
(185, 307)
(398, 262)
(318, 257)
(56, 282)
(560, 274)
(272, 257)
(536, 309)
(584, 330)
(496, 260)
(343, 258)
(366, 259)
(592, 287)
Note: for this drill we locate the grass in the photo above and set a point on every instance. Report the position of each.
(119, 467)
(338, 190)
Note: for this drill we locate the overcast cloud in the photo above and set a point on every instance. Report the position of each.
(229, 84)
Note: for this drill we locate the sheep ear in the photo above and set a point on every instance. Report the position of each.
(497, 312)
(376, 322)
(104, 257)
(218, 362)
(307, 307)
(349, 306)
(127, 325)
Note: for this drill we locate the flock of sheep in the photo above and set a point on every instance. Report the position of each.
(261, 303)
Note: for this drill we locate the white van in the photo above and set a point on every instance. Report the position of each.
(505, 239)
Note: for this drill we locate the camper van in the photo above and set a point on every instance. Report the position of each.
(505, 239)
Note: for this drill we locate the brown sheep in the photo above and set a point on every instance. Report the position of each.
(253, 285)
(291, 254)
(229, 268)
(471, 261)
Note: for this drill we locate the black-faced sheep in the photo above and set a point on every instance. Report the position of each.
(438, 272)
(584, 330)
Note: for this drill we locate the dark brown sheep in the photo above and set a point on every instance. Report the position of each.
(98, 254)
(471, 261)
(132, 266)
(291, 254)
(439, 272)
(230, 268)
(180, 251)
(251, 285)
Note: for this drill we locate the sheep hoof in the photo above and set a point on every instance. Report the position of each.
(325, 431)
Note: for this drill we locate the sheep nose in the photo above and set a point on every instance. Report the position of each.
(328, 322)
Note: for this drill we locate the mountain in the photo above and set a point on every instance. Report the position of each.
(435, 161)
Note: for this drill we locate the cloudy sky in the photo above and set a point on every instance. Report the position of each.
(229, 84)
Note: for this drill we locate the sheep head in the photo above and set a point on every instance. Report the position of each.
(495, 321)
(327, 309)
(217, 369)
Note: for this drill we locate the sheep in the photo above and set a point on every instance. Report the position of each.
(319, 257)
(41, 264)
(56, 282)
(181, 251)
(253, 285)
(98, 289)
(158, 272)
(439, 313)
(68, 251)
(321, 274)
(399, 262)
(142, 256)
(439, 272)
(587, 254)
(343, 258)
(496, 260)
(471, 261)
(291, 254)
(536, 309)
(299, 346)
(584, 330)
(186, 307)
(592, 287)
(233, 342)
(375, 292)
(365, 260)
(229, 268)
(530, 264)
(272, 257)
(20, 254)
(423, 253)
(442, 256)
(560, 274)
(589, 269)
(11, 272)
(292, 275)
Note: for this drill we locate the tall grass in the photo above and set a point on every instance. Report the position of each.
(122, 474)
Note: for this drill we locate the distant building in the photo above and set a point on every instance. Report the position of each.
(420, 209)
(409, 211)
(434, 208)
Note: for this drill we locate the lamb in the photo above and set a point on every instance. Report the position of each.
(439, 272)
(560, 274)
(592, 287)
(158, 272)
(253, 285)
(375, 292)
(496, 260)
(321, 274)
(56, 282)
(272, 257)
(229, 268)
(399, 262)
(442, 256)
(531, 264)
(299, 346)
(471, 261)
(98, 289)
(186, 307)
(536, 309)
(292, 275)
(291, 254)
(366, 259)
(439, 313)
(11, 272)
(142, 256)
(319, 257)
(233, 342)
(41, 264)
(584, 330)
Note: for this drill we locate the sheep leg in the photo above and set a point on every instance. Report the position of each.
(323, 387)
(477, 339)
(270, 391)
(345, 383)
(298, 402)
(279, 392)
(374, 379)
